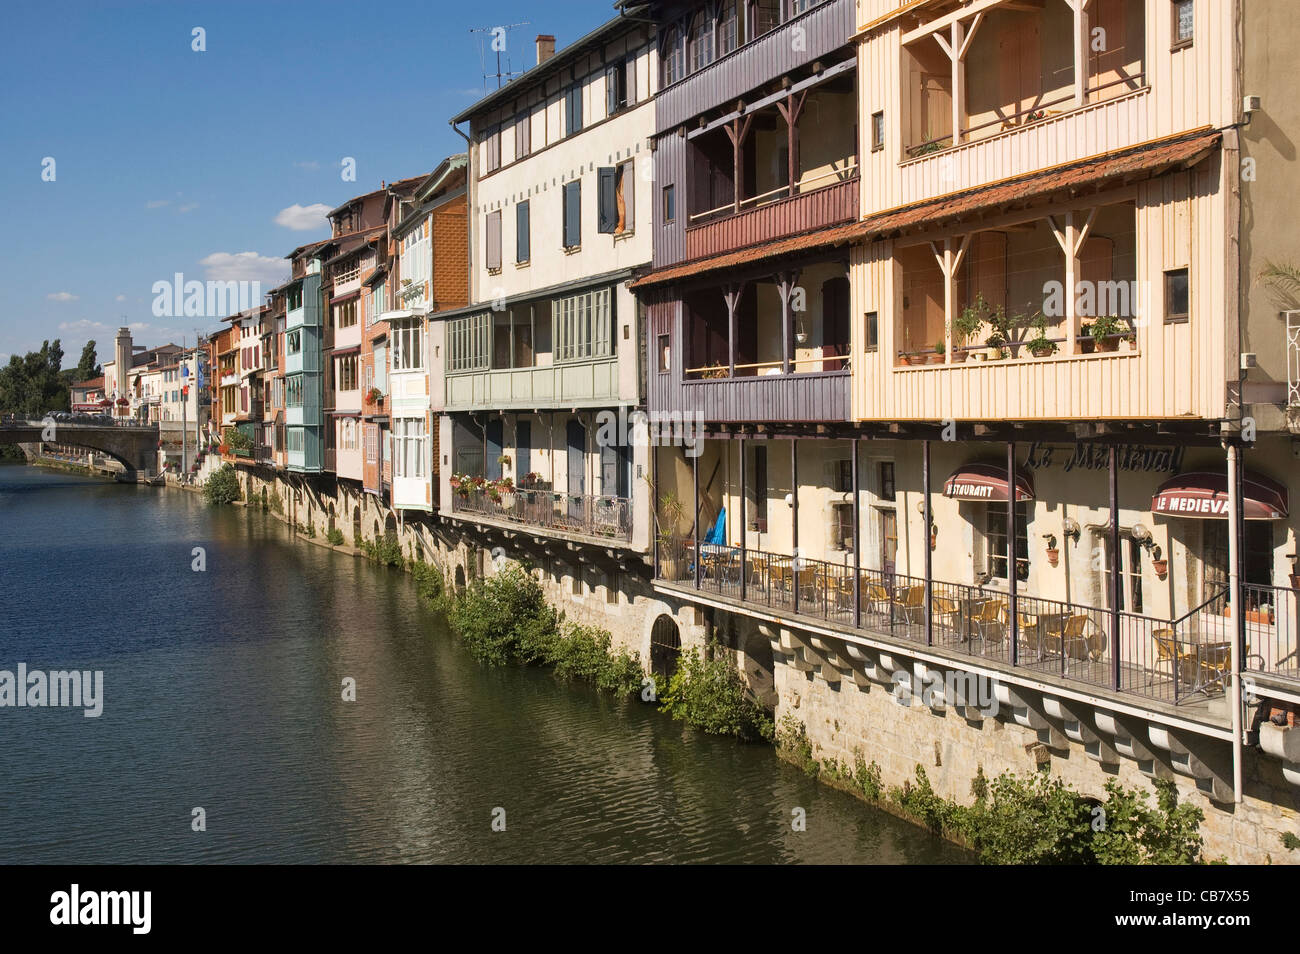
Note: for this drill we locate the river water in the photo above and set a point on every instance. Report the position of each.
(222, 691)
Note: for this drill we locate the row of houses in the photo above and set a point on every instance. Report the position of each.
(938, 332)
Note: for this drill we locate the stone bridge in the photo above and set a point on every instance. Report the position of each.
(134, 446)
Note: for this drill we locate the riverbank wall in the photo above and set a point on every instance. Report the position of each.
(849, 702)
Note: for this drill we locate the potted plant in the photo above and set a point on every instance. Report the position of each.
(1161, 567)
(938, 353)
(671, 514)
(1130, 340)
(967, 324)
(374, 396)
(1105, 331)
(504, 460)
(996, 343)
(506, 493)
(1040, 346)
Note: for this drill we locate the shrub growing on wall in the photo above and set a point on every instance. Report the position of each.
(222, 486)
(706, 692)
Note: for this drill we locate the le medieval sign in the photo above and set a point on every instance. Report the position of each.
(1097, 457)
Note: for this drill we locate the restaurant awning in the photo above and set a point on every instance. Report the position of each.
(1204, 495)
(986, 483)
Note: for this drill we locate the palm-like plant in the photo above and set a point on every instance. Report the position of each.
(1282, 279)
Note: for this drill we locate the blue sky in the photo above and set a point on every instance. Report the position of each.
(169, 160)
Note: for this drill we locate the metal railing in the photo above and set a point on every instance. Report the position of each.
(1293, 359)
(1171, 661)
(594, 516)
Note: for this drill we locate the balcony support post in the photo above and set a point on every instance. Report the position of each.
(1238, 609)
(786, 287)
(956, 48)
(950, 261)
(732, 297)
(1112, 461)
(857, 542)
(794, 523)
(790, 110)
(1071, 239)
(1013, 610)
(654, 507)
(1081, 51)
(925, 542)
(737, 130)
(695, 516)
(744, 525)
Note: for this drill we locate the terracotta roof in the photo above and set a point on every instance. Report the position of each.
(1145, 161)
(92, 383)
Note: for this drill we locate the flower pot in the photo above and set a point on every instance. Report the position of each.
(507, 501)
(1295, 581)
(1126, 344)
(960, 355)
(994, 354)
(1106, 345)
(1086, 344)
(1161, 567)
(1053, 556)
(1264, 616)
(1042, 352)
(977, 356)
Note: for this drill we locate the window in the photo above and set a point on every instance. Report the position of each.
(728, 28)
(583, 326)
(615, 194)
(293, 298)
(877, 131)
(293, 342)
(671, 56)
(293, 391)
(467, 342)
(665, 355)
(408, 447)
(870, 331)
(347, 373)
(670, 204)
(996, 535)
(760, 490)
(766, 17)
(1130, 573)
(378, 300)
(522, 237)
(1176, 295)
(842, 526)
(616, 96)
(1184, 23)
(408, 345)
(493, 237)
(887, 491)
(844, 476)
(523, 135)
(372, 442)
(573, 110)
(701, 41)
(492, 149)
(572, 195)
(345, 315)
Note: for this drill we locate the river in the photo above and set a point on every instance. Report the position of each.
(222, 692)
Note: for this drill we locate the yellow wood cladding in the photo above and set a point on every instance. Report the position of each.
(1177, 91)
(1177, 371)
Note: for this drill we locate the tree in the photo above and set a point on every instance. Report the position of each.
(88, 367)
(34, 384)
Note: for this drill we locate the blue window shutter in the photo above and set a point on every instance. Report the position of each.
(572, 214)
(521, 232)
(606, 203)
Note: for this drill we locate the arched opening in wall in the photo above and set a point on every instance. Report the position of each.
(264, 498)
(460, 578)
(331, 521)
(665, 646)
(758, 666)
(356, 526)
(374, 532)
(390, 528)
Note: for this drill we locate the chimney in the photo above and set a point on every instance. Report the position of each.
(545, 48)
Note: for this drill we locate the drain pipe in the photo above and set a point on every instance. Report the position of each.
(1238, 615)
(471, 195)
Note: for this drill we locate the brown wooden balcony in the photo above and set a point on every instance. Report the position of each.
(763, 219)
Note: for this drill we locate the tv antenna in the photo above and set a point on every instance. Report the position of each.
(497, 39)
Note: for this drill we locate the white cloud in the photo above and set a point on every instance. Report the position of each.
(120, 298)
(62, 296)
(245, 266)
(188, 207)
(157, 203)
(85, 324)
(311, 165)
(302, 218)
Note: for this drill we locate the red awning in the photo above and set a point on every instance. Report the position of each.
(986, 483)
(1204, 495)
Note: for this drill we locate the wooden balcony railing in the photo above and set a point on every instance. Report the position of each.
(782, 215)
